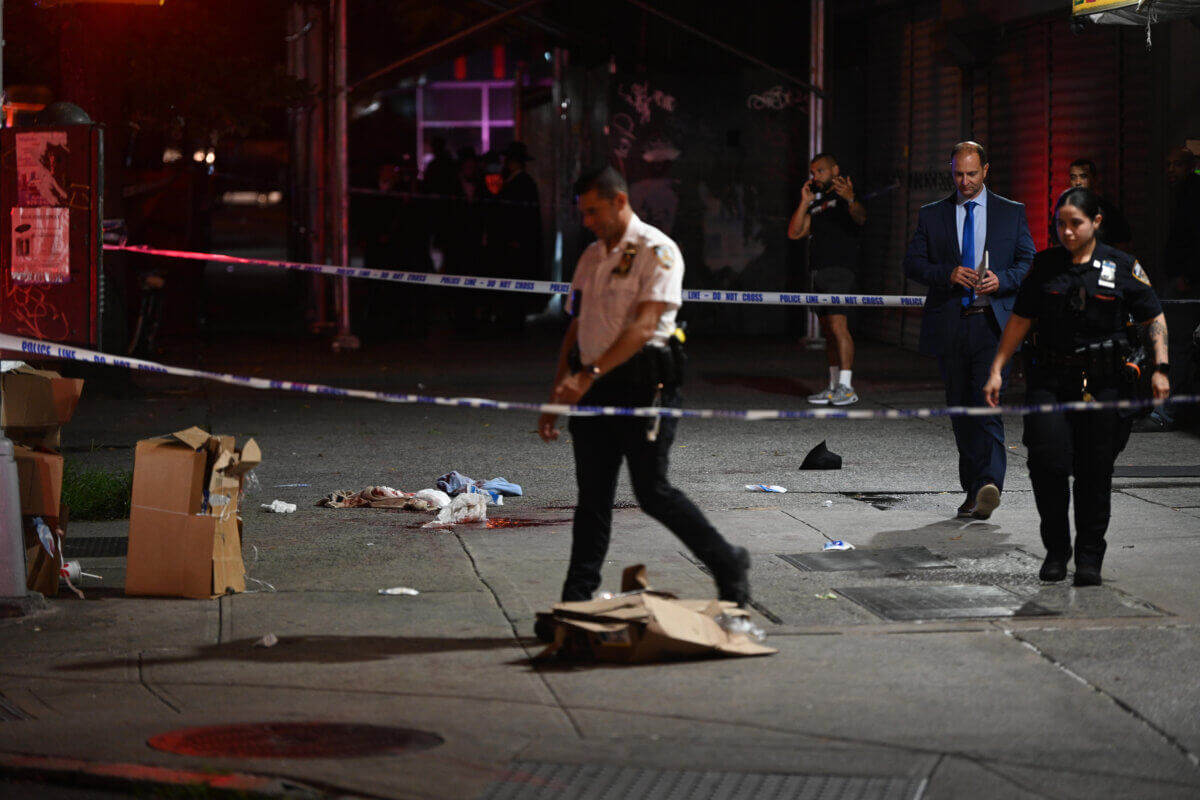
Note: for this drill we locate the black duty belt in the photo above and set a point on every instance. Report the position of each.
(970, 311)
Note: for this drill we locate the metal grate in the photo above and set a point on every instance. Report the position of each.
(539, 780)
(897, 558)
(294, 740)
(1162, 471)
(909, 603)
(96, 547)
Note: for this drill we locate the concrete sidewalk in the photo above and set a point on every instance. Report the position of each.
(1062, 692)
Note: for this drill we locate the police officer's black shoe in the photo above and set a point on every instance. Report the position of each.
(1087, 575)
(543, 628)
(1054, 568)
(735, 585)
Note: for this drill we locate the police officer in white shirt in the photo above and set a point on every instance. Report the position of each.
(618, 351)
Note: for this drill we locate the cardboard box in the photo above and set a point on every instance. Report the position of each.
(641, 625)
(40, 478)
(185, 535)
(36, 403)
(42, 568)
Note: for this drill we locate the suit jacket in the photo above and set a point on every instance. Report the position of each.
(934, 253)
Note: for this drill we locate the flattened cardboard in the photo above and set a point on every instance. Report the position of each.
(40, 477)
(181, 543)
(641, 625)
(37, 399)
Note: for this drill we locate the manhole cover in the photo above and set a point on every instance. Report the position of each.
(538, 780)
(907, 603)
(96, 547)
(293, 740)
(896, 558)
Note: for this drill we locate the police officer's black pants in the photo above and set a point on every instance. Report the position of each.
(600, 444)
(1080, 443)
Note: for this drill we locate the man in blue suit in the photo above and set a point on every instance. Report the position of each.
(964, 314)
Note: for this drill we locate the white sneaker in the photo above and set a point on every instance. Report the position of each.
(843, 395)
(822, 397)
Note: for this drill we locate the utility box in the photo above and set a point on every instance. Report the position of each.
(51, 206)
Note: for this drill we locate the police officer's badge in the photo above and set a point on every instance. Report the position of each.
(1140, 273)
(626, 263)
(665, 259)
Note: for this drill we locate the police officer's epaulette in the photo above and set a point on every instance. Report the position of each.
(626, 263)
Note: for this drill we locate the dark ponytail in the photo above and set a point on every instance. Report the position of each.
(1083, 199)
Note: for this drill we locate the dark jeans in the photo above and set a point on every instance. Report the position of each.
(1080, 443)
(600, 444)
(965, 367)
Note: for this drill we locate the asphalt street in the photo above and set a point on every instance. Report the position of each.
(886, 683)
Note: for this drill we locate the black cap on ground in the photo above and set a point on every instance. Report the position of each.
(820, 458)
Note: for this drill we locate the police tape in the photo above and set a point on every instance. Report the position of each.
(526, 286)
(548, 287)
(37, 348)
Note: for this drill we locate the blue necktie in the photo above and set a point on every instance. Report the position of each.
(968, 247)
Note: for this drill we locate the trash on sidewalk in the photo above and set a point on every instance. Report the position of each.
(838, 544)
(464, 508)
(185, 532)
(827, 503)
(436, 496)
(826, 596)
(454, 483)
(376, 497)
(279, 507)
(268, 640)
(640, 625)
(404, 590)
(36, 403)
(763, 487)
(821, 458)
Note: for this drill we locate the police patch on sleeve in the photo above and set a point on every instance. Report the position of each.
(1140, 273)
(663, 254)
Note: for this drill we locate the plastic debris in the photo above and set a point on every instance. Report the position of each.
(290, 485)
(838, 544)
(826, 596)
(268, 640)
(44, 534)
(743, 625)
(279, 507)
(435, 496)
(763, 487)
(464, 508)
(827, 503)
(405, 590)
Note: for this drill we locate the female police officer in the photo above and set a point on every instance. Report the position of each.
(1077, 300)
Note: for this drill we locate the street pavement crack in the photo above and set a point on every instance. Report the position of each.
(1172, 741)
(158, 695)
(517, 636)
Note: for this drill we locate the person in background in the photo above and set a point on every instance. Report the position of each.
(965, 310)
(830, 216)
(1115, 231)
(1072, 313)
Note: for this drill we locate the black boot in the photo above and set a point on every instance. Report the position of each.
(1054, 568)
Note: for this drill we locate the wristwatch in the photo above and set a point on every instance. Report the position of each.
(1163, 367)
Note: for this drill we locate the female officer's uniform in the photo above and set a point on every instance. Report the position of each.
(1078, 351)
